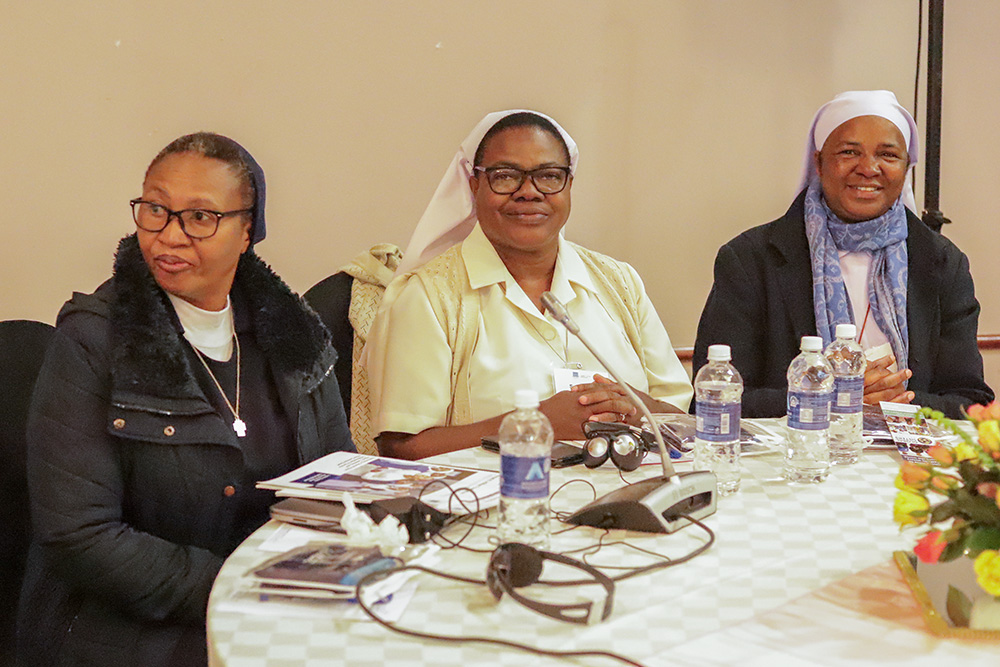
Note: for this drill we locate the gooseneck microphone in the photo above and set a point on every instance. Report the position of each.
(559, 313)
(658, 504)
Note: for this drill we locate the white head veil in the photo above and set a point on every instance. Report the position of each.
(451, 213)
(856, 103)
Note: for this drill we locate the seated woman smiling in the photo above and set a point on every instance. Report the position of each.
(850, 249)
(165, 395)
(462, 326)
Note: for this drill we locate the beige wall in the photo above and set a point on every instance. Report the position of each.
(690, 116)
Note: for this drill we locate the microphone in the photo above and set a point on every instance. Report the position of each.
(655, 505)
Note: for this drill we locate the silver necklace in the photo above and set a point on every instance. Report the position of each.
(239, 425)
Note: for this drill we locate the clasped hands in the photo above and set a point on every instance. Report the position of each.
(881, 384)
(600, 400)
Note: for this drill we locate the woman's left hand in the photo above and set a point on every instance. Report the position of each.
(608, 400)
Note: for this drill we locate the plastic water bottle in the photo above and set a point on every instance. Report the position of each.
(847, 358)
(718, 391)
(525, 460)
(810, 390)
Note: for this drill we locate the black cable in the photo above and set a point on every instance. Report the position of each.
(482, 640)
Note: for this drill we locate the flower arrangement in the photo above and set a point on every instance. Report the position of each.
(967, 477)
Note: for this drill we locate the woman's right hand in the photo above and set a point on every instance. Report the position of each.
(569, 410)
(881, 384)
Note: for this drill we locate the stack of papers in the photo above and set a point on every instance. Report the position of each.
(318, 570)
(371, 478)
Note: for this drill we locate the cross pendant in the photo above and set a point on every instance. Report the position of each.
(240, 427)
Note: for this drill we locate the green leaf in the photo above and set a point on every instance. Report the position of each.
(944, 511)
(979, 509)
(981, 539)
(953, 551)
(959, 607)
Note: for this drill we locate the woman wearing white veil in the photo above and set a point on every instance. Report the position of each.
(461, 327)
(851, 250)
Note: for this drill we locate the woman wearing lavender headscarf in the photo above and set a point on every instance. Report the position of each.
(850, 249)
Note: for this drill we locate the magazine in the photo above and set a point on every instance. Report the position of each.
(322, 566)
(371, 478)
(913, 439)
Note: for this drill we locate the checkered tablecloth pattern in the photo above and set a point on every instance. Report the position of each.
(774, 543)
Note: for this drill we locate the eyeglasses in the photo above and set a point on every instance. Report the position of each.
(197, 223)
(508, 180)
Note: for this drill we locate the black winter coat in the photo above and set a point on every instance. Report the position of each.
(139, 488)
(761, 305)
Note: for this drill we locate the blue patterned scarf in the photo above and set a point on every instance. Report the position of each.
(885, 238)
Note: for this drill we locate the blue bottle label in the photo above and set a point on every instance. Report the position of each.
(718, 422)
(848, 394)
(524, 477)
(808, 411)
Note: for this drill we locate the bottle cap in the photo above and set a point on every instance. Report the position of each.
(812, 344)
(719, 353)
(847, 331)
(525, 398)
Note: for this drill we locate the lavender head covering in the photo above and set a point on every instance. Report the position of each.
(852, 104)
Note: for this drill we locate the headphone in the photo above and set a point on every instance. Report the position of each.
(514, 565)
(625, 445)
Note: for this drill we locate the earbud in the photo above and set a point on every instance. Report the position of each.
(626, 452)
(596, 451)
(619, 442)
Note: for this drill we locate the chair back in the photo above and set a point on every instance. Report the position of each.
(22, 349)
(347, 302)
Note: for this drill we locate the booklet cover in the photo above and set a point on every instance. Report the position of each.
(371, 478)
(914, 439)
(318, 566)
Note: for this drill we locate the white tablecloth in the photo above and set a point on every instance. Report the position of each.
(775, 543)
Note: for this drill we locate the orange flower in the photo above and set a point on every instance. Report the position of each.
(944, 483)
(942, 455)
(912, 476)
(988, 489)
(975, 412)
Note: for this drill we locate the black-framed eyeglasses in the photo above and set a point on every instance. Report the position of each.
(198, 223)
(508, 180)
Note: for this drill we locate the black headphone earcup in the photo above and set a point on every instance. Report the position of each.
(626, 452)
(596, 451)
(525, 564)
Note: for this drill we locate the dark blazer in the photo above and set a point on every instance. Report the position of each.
(761, 305)
(139, 487)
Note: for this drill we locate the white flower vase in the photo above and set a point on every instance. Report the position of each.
(985, 613)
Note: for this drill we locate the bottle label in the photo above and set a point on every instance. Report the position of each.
(524, 477)
(847, 395)
(718, 422)
(808, 411)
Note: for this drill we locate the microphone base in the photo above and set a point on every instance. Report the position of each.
(653, 505)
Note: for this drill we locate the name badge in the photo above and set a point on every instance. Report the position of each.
(564, 378)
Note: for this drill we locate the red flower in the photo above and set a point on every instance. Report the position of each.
(930, 546)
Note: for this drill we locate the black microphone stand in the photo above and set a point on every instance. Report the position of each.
(655, 505)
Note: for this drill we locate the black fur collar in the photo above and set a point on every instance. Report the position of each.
(149, 355)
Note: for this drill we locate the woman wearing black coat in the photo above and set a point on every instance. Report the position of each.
(167, 393)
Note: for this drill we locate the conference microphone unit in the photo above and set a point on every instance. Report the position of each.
(655, 505)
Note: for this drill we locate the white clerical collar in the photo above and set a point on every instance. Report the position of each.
(209, 331)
